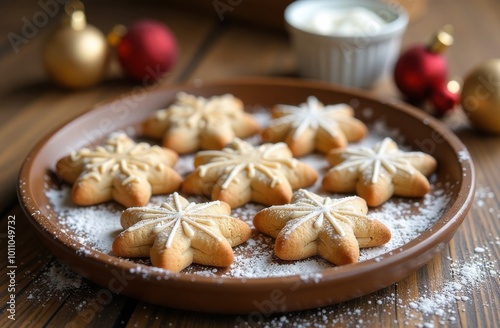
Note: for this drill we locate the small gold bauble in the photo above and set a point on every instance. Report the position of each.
(481, 96)
(75, 54)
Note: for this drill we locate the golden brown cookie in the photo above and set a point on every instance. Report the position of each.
(241, 173)
(334, 229)
(122, 170)
(192, 123)
(179, 233)
(313, 126)
(378, 173)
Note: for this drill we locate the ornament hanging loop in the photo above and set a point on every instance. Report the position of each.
(116, 34)
(76, 14)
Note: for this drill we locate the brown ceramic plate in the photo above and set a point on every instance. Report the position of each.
(254, 295)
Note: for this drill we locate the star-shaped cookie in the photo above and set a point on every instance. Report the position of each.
(192, 123)
(241, 173)
(120, 169)
(313, 126)
(334, 229)
(178, 233)
(378, 173)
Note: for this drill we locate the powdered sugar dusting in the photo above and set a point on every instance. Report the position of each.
(433, 307)
(93, 226)
(441, 303)
(55, 282)
(407, 220)
(255, 259)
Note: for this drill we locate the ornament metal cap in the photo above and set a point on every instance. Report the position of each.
(116, 34)
(75, 14)
(441, 40)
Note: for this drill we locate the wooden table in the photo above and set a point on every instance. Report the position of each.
(49, 294)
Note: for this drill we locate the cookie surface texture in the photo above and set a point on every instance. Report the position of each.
(120, 170)
(313, 126)
(334, 229)
(192, 123)
(178, 233)
(378, 173)
(241, 173)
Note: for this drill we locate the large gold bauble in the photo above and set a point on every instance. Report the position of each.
(75, 55)
(481, 96)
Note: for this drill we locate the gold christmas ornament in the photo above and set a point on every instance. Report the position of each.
(481, 96)
(75, 54)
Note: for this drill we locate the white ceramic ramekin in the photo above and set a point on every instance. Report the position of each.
(351, 60)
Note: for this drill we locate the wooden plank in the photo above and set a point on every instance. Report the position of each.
(23, 23)
(365, 311)
(148, 315)
(268, 14)
(240, 52)
(481, 229)
(91, 306)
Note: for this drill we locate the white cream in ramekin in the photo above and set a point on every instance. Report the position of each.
(353, 43)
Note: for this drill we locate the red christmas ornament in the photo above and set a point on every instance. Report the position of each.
(147, 51)
(446, 98)
(422, 68)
